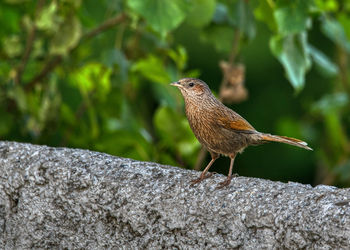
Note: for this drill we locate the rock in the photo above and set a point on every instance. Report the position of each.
(70, 198)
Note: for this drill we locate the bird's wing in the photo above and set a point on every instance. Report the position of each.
(235, 122)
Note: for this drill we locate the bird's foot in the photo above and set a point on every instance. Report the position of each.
(202, 177)
(226, 182)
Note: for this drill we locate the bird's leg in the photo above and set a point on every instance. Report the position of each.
(229, 176)
(204, 174)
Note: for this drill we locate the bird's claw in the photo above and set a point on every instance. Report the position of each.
(198, 180)
(226, 182)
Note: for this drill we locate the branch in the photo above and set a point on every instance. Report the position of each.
(235, 45)
(53, 62)
(231, 61)
(106, 25)
(29, 46)
(343, 68)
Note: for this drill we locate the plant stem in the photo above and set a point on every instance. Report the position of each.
(29, 46)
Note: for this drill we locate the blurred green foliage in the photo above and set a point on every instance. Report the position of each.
(96, 75)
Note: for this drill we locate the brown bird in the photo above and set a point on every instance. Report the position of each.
(219, 129)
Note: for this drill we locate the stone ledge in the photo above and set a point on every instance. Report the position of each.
(70, 198)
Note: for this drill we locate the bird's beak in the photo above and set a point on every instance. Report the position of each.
(176, 84)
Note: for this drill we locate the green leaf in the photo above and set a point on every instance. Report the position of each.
(264, 12)
(152, 68)
(292, 18)
(38, 48)
(335, 32)
(92, 77)
(326, 66)
(27, 23)
(241, 16)
(48, 20)
(12, 46)
(167, 124)
(221, 15)
(20, 97)
(291, 51)
(327, 5)
(331, 103)
(179, 56)
(161, 15)
(201, 12)
(194, 73)
(67, 114)
(115, 57)
(67, 36)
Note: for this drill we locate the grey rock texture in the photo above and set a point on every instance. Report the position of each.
(60, 198)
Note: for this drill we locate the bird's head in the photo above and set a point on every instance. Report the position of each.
(192, 87)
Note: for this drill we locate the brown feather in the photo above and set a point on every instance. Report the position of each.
(238, 125)
(285, 139)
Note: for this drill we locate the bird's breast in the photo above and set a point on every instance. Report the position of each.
(210, 134)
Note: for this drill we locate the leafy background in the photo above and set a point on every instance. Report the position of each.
(96, 75)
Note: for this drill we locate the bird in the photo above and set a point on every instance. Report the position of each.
(220, 129)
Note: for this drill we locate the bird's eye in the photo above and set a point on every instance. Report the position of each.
(191, 84)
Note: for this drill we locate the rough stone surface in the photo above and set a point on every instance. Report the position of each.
(64, 198)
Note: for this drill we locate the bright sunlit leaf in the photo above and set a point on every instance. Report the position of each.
(161, 15)
(93, 77)
(153, 69)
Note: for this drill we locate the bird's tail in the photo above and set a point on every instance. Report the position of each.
(285, 139)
